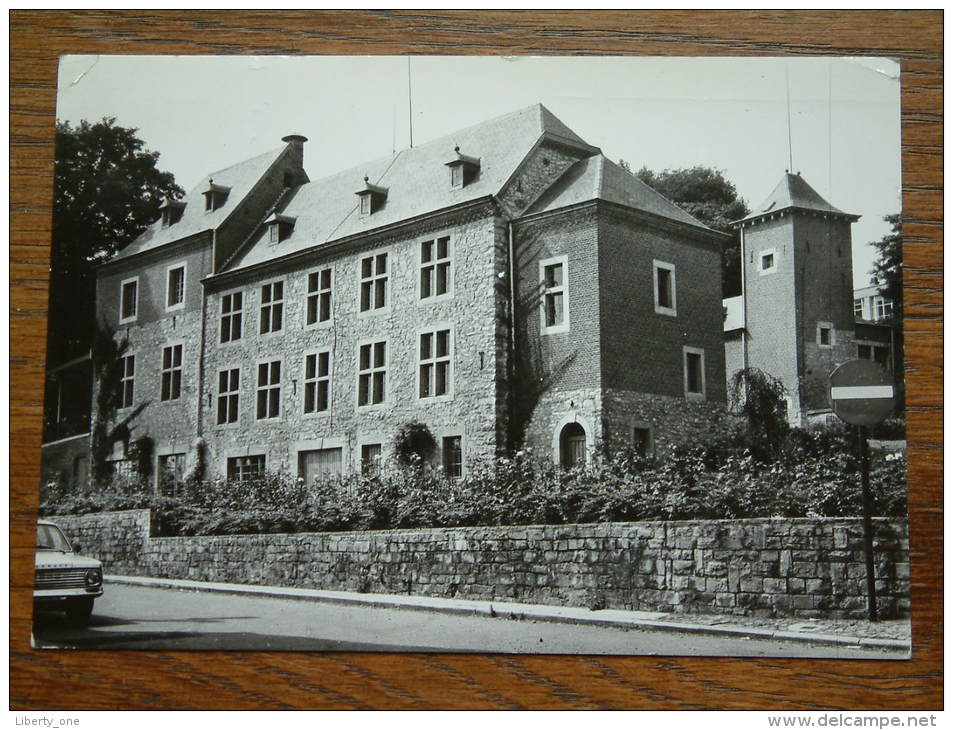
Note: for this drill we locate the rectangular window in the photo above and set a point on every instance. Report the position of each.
(127, 381)
(642, 440)
(694, 372)
(555, 296)
(269, 390)
(320, 464)
(435, 259)
(371, 460)
(825, 334)
(129, 300)
(864, 352)
(664, 286)
(228, 381)
(372, 374)
(317, 382)
(434, 364)
(231, 320)
(175, 287)
(319, 297)
(171, 372)
(882, 308)
(768, 261)
(859, 308)
(240, 468)
(272, 307)
(374, 282)
(453, 457)
(171, 473)
(365, 205)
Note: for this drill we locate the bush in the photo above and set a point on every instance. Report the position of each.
(815, 475)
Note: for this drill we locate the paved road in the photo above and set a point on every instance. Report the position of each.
(134, 617)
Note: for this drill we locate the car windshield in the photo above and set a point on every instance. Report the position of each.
(49, 537)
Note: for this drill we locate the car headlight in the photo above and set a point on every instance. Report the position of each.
(94, 578)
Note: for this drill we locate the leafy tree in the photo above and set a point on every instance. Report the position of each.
(710, 197)
(888, 268)
(887, 274)
(759, 398)
(106, 190)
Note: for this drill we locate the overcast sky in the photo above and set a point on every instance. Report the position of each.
(203, 113)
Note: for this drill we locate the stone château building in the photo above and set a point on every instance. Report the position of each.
(505, 284)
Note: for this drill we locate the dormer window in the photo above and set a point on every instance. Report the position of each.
(463, 169)
(171, 211)
(372, 197)
(215, 196)
(279, 227)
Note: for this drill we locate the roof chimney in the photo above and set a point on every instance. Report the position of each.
(296, 174)
(299, 138)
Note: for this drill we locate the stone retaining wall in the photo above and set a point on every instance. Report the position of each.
(765, 567)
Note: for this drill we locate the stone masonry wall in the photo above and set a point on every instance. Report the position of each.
(765, 567)
(469, 311)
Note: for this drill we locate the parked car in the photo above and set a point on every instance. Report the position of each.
(64, 579)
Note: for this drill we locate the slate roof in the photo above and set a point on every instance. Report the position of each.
(794, 192)
(417, 181)
(598, 178)
(241, 178)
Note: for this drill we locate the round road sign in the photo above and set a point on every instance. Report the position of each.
(861, 392)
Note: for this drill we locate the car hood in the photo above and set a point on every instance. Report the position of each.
(56, 559)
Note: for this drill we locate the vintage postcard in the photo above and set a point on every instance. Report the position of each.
(459, 354)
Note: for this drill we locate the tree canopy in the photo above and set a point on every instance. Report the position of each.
(709, 196)
(887, 273)
(107, 189)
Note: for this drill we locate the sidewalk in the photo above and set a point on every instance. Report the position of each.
(893, 635)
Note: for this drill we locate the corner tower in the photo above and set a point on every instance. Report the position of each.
(798, 319)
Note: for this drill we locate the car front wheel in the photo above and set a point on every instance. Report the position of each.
(79, 609)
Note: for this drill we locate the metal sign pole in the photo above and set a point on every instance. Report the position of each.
(868, 524)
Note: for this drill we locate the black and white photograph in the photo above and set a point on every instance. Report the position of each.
(538, 355)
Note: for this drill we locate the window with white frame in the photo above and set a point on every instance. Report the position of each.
(694, 371)
(228, 392)
(664, 287)
(128, 300)
(231, 318)
(175, 287)
(435, 271)
(554, 294)
(127, 381)
(240, 468)
(435, 376)
(371, 457)
(272, 307)
(825, 334)
(171, 372)
(268, 402)
(319, 297)
(882, 308)
(317, 381)
(768, 261)
(372, 373)
(374, 282)
(452, 453)
(859, 308)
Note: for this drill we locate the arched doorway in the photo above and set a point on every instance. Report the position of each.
(572, 445)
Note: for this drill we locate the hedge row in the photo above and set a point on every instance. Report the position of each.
(816, 476)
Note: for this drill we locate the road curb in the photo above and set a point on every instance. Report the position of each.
(642, 620)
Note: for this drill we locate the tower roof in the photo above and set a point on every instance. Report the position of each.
(793, 191)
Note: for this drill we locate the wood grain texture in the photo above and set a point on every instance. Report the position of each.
(149, 680)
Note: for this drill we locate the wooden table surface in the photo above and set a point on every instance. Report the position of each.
(217, 680)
